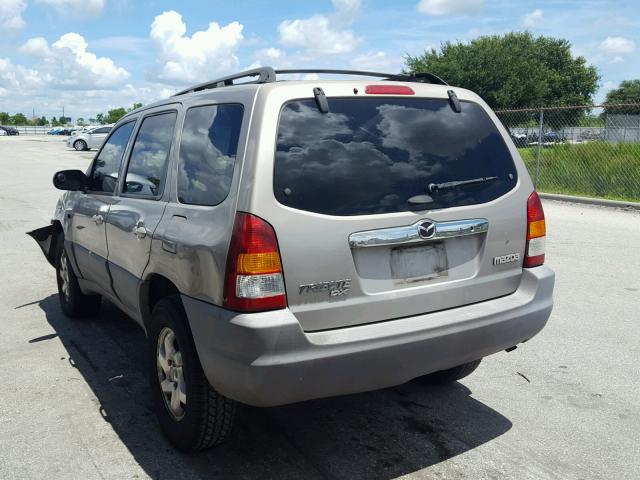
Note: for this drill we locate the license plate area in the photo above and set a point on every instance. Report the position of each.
(424, 262)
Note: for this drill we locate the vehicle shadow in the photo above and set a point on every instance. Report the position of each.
(381, 434)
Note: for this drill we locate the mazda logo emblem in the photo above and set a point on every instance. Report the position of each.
(426, 230)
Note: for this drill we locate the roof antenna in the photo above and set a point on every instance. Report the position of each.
(321, 100)
(453, 101)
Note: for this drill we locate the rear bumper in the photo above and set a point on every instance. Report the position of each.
(266, 359)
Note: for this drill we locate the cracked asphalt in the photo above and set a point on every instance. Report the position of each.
(74, 401)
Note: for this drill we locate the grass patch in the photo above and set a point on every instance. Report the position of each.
(596, 169)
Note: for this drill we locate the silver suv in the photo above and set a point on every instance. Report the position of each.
(281, 241)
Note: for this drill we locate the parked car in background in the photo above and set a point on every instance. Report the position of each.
(10, 130)
(519, 139)
(92, 138)
(79, 130)
(3, 133)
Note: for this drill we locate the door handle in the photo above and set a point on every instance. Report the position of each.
(139, 230)
(99, 219)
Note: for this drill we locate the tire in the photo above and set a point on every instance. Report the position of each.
(205, 417)
(80, 145)
(73, 302)
(451, 375)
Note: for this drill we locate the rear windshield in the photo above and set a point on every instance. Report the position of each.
(371, 155)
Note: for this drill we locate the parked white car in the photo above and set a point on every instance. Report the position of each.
(92, 138)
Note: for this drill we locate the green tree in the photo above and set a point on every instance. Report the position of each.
(627, 92)
(92, 121)
(135, 106)
(515, 70)
(115, 114)
(100, 118)
(19, 119)
(4, 118)
(80, 121)
(42, 121)
(54, 122)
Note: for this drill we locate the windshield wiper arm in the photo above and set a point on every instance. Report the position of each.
(435, 187)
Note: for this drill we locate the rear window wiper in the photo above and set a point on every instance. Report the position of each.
(436, 187)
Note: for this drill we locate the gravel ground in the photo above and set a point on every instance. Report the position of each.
(75, 402)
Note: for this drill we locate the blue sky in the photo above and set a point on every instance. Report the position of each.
(92, 55)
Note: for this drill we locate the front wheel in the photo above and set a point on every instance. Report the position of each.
(80, 145)
(73, 302)
(452, 374)
(192, 415)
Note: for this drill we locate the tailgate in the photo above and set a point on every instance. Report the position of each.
(341, 273)
(363, 235)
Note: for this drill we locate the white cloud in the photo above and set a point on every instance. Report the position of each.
(37, 47)
(616, 59)
(347, 10)
(183, 59)
(64, 65)
(617, 46)
(269, 53)
(533, 19)
(49, 102)
(377, 61)
(75, 67)
(11, 16)
(14, 78)
(85, 8)
(316, 35)
(324, 34)
(449, 7)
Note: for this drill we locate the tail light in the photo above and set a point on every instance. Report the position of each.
(253, 276)
(536, 231)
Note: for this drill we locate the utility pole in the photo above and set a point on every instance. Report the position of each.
(63, 119)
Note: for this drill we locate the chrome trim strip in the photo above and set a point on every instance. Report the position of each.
(410, 233)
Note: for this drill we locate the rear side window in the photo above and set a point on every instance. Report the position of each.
(104, 175)
(208, 153)
(149, 155)
(371, 155)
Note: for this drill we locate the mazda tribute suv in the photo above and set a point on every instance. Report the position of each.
(281, 241)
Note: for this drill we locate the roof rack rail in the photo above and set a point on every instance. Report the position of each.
(268, 75)
(420, 77)
(264, 74)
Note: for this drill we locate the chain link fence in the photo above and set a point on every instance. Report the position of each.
(591, 151)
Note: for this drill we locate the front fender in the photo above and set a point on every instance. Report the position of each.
(46, 238)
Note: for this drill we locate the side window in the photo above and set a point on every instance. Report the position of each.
(149, 155)
(101, 130)
(104, 175)
(208, 153)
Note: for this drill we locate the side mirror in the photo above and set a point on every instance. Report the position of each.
(70, 180)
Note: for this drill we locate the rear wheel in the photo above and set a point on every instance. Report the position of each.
(452, 374)
(73, 302)
(80, 145)
(192, 415)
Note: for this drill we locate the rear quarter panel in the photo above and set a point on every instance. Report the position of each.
(189, 246)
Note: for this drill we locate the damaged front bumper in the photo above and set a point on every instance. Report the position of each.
(46, 238)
